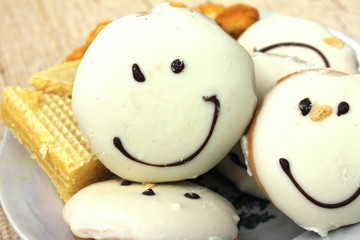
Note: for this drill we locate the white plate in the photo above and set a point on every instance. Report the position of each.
(34, 209)
(27, 196)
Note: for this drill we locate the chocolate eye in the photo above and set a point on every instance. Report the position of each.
(305, 106)
(148, 192)
(192, 195)
(343, 108)
(137, 74)
(177, 66)
(125, 183)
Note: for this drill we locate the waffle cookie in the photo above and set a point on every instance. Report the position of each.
(45, 125)
(57, 80)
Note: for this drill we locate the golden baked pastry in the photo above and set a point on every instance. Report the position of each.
(45, 125)
(79, 52)
(212, 10)
(237, 18)
(57, 80)
(177, 4)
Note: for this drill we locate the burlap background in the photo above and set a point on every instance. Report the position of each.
(35, 34)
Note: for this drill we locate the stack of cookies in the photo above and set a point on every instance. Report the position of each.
(152, 114)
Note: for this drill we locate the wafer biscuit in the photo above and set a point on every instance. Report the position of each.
(57, 80)
(45, 125)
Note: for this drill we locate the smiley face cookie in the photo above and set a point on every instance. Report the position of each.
(163, 95)
(304, 39)
(119, 209)
(303, 148)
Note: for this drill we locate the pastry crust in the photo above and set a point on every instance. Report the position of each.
(237, 18)
(211, 10)
(79, 52)
(251, 163)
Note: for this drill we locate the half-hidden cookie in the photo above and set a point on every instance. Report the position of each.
(119, 209)
(269, 68)
(302, 38)
(168, 108)
(303, 149)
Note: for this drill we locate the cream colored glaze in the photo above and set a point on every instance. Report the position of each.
(269, 68)
(108, 210)
(324, 156)
(279, 29)
(165, 118)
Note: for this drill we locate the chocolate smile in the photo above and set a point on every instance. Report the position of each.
(289, 44)
(118, 144)
(285, 165)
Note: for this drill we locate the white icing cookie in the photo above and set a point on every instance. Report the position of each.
(182, 210)
(163, 95)
(303, 148)
(304, 39)
(269, 68)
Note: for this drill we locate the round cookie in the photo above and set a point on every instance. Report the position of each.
(304, 39)
(303, 148)
(116, 210)
(158, 104)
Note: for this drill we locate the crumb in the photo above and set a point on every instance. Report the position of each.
(334, 42)
(321, 113)
(176, 4)
(149, 185)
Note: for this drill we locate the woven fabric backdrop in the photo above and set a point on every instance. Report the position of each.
(36, 34)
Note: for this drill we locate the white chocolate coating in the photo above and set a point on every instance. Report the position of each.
(108, 210)
(323, 154)
(269, 68)
(279, 29)
(164, 119)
